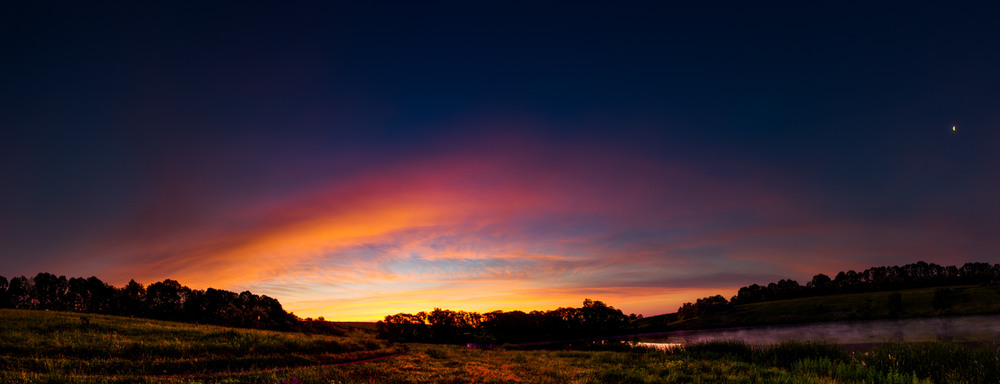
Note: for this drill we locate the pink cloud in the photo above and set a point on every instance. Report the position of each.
(502, 223)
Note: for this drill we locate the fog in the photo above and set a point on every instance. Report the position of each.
(957, 329)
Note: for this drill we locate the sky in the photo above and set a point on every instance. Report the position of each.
(359, 159)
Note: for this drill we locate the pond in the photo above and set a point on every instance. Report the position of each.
(956, 329)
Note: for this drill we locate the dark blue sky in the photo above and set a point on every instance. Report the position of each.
(138, 122)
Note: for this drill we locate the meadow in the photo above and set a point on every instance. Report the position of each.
(41, 346)
(59, 347)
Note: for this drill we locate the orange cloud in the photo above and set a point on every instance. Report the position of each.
(520, 226)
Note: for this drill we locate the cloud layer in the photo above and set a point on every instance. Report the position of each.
(509, 222)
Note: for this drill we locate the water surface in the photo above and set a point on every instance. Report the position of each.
(957, 329)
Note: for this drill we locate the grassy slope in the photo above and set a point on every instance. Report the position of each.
(37, 343)
(971, 300)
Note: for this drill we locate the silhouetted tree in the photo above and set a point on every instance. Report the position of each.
(4, 295)
(164, 299)
(594, 319)
(511, 326)
(77, 297)
(405, 327)
(49, 290)
(21, 290)
(602, 318)
(703, 306)
(750, 294)
(131, 299)
(101, 296)
(917, 275)
(167, 300)
(273, 314)
(820, 284)
(451, 326)
(975, 273)
(788, 289)
(219, 305)
(193, 308)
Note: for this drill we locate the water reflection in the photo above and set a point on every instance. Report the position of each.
(958, 329)
(663, 346)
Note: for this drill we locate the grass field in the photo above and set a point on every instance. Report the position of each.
(722, 362)
(37, 346)
(59, 347)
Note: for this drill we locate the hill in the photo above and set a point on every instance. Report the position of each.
(41, 346)
(910, 303)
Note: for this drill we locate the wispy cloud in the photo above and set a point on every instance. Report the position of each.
(510, 225)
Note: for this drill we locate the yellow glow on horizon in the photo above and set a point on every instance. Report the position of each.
(649, 302)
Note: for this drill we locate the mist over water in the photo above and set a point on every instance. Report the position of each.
(956, 329)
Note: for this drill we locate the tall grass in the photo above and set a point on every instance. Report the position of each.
(885, 363)
(941, 362)
(853, 373)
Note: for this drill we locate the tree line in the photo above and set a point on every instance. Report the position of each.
(593, 319)
(885, 278)
(165, 300)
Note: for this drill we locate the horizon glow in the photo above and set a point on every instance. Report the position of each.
(483, 230)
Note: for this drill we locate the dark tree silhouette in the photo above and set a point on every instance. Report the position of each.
(49, 291)
(130, 300)
(4, 296)
(820, 283)
(593, 319)
(405, 326)
(166, 300)
(703, 306)
(101, 296)
(21, 292)
(76, 298)
(916, 275)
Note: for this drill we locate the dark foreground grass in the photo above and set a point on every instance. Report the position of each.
(734, 363)
(452, 364)
(884, 363)
(54, 347)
